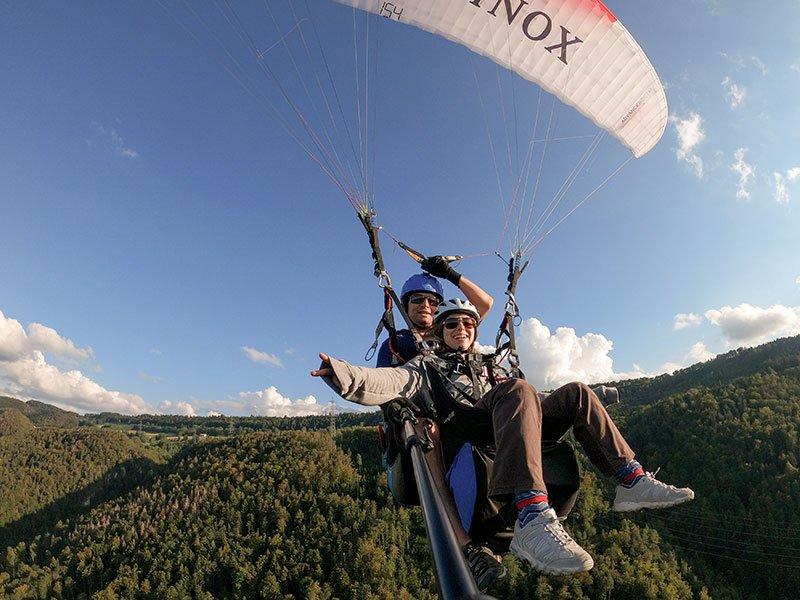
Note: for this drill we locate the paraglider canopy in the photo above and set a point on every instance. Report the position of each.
(575, 49)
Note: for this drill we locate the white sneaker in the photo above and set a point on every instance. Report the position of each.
(544, 543)
(649, 492)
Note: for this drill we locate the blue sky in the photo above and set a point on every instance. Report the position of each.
(168, 247)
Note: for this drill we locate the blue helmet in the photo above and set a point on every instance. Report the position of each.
(421, 282)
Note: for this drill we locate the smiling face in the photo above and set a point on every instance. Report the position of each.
(459, 331)
(421, 307)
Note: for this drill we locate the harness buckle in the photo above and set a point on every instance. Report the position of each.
(384, 281)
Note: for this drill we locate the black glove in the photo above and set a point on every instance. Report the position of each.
(439, 267)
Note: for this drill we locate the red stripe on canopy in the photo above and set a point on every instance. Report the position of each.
(605, 9)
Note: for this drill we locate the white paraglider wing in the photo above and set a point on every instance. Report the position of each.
(574, 49)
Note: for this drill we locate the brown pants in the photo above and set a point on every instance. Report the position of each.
(513, 419)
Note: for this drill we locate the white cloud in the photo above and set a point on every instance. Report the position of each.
(797, 281)
(781, 186)
(699, 353)
(177, 408)
(271, 403)
(795, 66)
(484, 348)
(690, 133)
(25, 372)
(669, 368)
(759, 64)
(262, 357)
(781, 191)
(743, 62)
(684, 320)
(734, 93)
(117, 141)
(550, 360)
(149, 378)
(750, 325)
(47, 339)
(15, 341)
(638, 372)
(187, 409)
(745, 171)
(32, 377)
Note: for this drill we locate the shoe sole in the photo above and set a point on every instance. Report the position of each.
(632, 506)
(537, 564)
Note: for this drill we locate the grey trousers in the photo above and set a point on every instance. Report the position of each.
(513, 419)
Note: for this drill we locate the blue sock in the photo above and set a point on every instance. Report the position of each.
(630, 474)
(531, 503)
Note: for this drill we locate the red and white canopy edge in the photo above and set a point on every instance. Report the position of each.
(576, 50)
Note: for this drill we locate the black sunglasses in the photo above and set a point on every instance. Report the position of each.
(420, 298)
(466, 322)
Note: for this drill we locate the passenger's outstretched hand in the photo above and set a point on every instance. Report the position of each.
(325, 370)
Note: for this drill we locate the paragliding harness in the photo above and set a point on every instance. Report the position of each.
(390, 298)
(467, 467)
(408, 443)
(476, 517)
(505, 342)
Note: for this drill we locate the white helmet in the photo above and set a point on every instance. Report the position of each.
(456, 306)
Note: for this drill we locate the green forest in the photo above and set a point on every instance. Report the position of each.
(108, 506)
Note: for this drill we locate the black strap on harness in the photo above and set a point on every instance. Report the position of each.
(480, 363)
(441, 376)
(506, 343)
(390, 298)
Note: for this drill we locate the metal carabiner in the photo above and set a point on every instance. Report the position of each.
(384, 281)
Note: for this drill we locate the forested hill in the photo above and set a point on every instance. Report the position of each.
(223, 426)
(14, 423)
(730, 428)
(780, 356)
(48, 473)
(289, 515)
(277, 513)
(41, 414)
